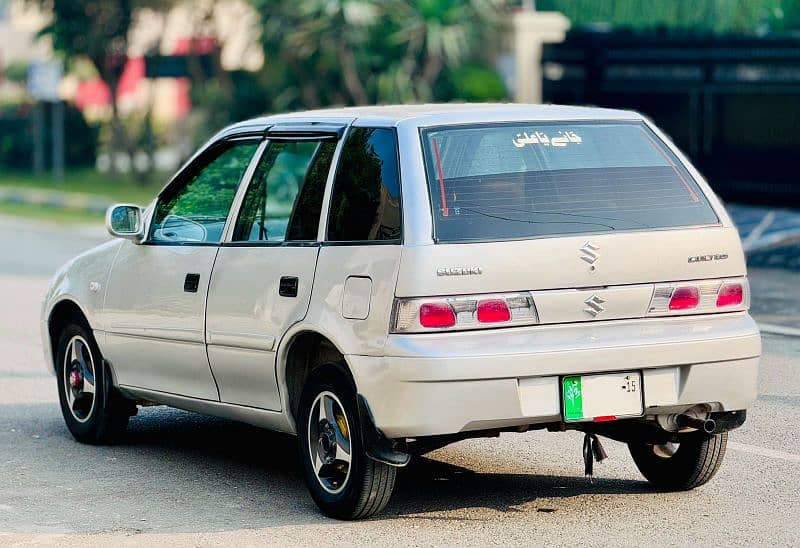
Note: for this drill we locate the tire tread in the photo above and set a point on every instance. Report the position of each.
(697, 461)
(377, 479)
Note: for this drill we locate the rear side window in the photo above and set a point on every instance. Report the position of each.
(284, 199)
(516, 181)
(365, 205)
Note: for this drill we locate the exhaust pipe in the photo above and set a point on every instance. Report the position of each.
(687, 421)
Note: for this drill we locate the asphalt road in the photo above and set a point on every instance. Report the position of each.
(184, 479)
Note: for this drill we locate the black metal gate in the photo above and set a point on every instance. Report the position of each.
(732, 104)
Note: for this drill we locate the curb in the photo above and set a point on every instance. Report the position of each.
(774, 329)
(55, 199)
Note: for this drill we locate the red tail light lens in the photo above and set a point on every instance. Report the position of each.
(700, 297)
(684, 298)
(437, 315)
(730, 295)
(484, 311)
(493, 310)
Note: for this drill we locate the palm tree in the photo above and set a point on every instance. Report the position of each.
(437, 34)
(358, 51)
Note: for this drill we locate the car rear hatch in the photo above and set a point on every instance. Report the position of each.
(563, 222)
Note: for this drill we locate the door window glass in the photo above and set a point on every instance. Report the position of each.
(196, 212)
(365, 205)
(284, 199)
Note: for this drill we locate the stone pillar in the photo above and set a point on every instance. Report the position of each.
(531, 30)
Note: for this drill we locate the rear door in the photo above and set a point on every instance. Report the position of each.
(264, 273)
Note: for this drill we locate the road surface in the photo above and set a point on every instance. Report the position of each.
(181, 479)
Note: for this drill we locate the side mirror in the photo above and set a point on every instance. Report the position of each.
(125, 221)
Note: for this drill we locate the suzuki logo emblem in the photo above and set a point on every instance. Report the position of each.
(594, 306)
(589, 254)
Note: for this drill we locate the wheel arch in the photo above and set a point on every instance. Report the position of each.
(60, 313)
(302, 351)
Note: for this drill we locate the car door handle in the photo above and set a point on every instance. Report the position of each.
(288, 286)
(191, 283)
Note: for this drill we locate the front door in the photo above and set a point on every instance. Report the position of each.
(156, 295)
(263, 276)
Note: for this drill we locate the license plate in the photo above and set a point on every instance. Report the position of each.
(605, 396)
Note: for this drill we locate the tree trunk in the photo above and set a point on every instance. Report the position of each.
(352, 81)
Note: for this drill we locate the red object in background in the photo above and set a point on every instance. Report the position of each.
(92, 93)
(96, 93)
(202, 45)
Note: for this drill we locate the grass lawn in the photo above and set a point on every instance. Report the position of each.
(50, 213)
(119, 188)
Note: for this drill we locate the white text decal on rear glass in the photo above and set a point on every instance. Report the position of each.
(563, 139)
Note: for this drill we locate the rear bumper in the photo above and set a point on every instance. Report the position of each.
(430, 384)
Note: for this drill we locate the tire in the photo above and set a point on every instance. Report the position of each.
(363, 487)
(695, 461)
(98, 417)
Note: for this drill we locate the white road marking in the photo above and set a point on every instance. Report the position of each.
(759, 229)
(779, 329)
(763, 451)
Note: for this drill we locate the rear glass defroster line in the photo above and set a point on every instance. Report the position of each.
(692, 193)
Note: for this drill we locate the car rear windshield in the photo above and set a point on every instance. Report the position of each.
(526, 180)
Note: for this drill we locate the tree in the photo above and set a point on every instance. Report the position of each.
(98, 31)
(353, 52)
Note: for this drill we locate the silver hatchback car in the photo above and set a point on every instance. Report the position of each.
(383, 281)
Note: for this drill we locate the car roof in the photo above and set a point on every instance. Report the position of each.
(446, 113)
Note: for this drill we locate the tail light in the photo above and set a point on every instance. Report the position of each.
(700, 297)
(493, 311)
(684, 298)
(434, 315)
(730, 294)
(419, 315)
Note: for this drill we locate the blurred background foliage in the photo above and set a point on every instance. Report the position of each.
(353, 52)
(317, 53)
(690, 16)
(16, 137)
(320, 53)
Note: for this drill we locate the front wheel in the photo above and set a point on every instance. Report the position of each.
(94, 411)
(343, 481)
(681, 466)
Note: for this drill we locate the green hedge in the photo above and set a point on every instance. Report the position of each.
(16, 137)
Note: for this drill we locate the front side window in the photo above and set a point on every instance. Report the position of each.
(525, 180)
(365, 204)
(284, 199)
(196, 211)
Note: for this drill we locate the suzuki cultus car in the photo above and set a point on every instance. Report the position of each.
(383, 281)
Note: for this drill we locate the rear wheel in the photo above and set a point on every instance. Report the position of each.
(343, 481)
(681, 466)
(93, 409)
